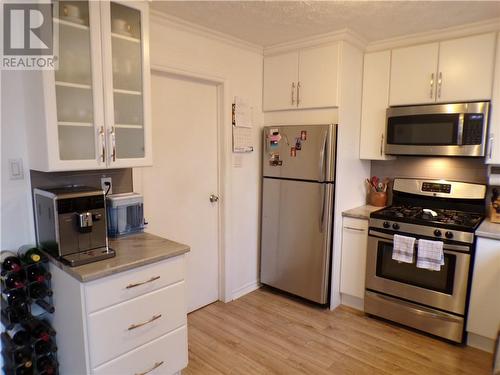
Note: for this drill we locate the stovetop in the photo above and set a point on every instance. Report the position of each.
(460, 220)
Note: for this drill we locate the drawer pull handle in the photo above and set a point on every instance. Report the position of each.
(143, 282)
(356, 229)
(157, 364)
(134, 326)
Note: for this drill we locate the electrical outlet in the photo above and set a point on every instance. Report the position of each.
(104, 181)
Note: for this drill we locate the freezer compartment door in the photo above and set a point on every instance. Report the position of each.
(296, 235)
(300, 152)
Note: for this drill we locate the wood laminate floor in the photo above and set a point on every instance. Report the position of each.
(267, 333)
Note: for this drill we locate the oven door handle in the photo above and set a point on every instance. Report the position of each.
(374, 233)
(419, 310)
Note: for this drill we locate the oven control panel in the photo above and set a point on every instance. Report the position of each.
(435, 187)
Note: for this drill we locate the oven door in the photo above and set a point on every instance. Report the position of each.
(445, 289)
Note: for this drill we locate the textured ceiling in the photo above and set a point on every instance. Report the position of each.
(271, 22)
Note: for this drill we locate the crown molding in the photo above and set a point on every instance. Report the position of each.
(436, 35)
(180, 24)
(320, 39)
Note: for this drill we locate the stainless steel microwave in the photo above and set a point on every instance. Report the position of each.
(458, 129)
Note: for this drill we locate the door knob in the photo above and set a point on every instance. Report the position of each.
(214, 198)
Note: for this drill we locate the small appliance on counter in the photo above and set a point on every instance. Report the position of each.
(71, 224)
(125, 214)
(495, 207)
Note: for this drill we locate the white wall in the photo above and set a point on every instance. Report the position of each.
(16, 219)
(241, 69)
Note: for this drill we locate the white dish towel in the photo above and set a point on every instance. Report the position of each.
(430, 255)
(403, 248)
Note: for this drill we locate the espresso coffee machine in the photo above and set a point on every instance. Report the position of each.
(71, 224)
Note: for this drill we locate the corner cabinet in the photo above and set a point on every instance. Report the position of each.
(95, 111)
(375, 100)
(302, 79)
(449, 71)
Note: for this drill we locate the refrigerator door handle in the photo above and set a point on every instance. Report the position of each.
(322, 157)
(322, 211)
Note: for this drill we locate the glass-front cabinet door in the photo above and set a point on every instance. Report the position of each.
(76, 139)
(126, 82)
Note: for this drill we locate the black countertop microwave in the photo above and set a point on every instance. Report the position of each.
(457, 129)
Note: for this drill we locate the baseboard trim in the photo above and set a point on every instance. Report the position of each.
(351, 301)
(480, 342)
(245, 289)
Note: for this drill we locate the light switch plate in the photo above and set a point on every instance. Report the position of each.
(16, 171)
(237, 161)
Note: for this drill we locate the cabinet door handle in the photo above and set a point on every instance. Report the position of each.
(356, 229)
(155, 366)
(298, 93)
(138, 325)
(154, 278)
(381, 144)
(432, 85)
(293, 93)
(440, 83)
(102, 145)
(113, 143)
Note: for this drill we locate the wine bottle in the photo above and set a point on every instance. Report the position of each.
(25, 370)
(39, 329)
(29, 254)
(22, 356)
(46, 365)
(37, 273)
(45, 305)
(17, 314)
(14, 297)
(10, 262)
(42, 347)
(39, 291)
(14, 280)
(19, 336)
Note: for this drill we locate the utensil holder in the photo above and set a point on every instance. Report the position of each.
(494, 215)
(378, 199)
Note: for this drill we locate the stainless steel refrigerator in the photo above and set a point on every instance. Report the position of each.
(297, 209)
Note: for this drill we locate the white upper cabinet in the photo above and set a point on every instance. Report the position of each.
(449, 71)
(466, 69)
(318, 77)
(302, 79)
(413, 74)
(376, 78)
(281, 74)
(493, 155)
(95, 107)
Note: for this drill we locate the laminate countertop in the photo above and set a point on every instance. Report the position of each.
(488, 229)
(132, 251)
(362, 212)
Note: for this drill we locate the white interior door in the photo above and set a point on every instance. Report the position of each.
(183, 176)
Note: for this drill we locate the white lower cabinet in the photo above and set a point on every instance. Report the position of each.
(484, 305)
(353, 263)
(165, 355)
(140, 328)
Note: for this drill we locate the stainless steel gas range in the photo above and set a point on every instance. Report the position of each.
(431, 301)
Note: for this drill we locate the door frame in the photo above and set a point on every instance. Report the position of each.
(224, 144)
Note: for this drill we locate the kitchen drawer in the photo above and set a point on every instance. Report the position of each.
(168, 354)
(130, 284)
(111, 332)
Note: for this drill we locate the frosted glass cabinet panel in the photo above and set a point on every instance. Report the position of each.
(126, 109)
(74, 83)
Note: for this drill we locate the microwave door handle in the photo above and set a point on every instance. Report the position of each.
(460, 130)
